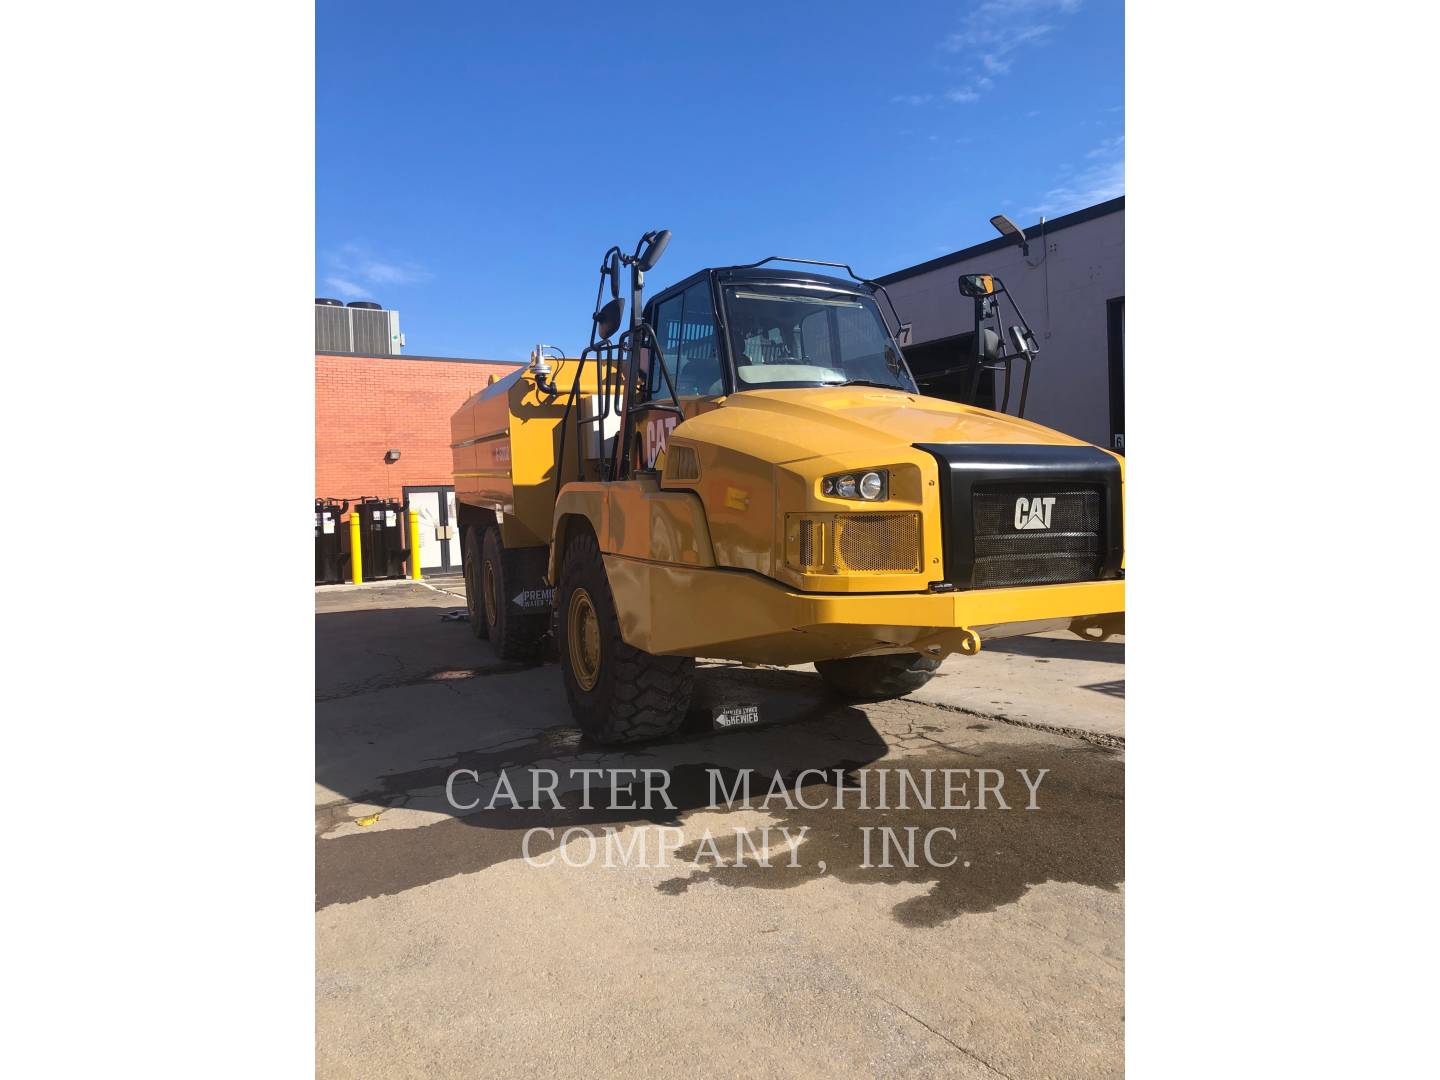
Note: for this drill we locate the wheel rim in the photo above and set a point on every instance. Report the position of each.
(490, 607)
(583, 633)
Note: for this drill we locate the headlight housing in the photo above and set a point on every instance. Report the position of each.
(861, 485)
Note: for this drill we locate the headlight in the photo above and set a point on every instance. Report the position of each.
(870, 485)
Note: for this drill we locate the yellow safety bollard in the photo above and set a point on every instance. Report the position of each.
(415, 544)
(357, 572)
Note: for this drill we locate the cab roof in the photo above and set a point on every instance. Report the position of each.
(761, 275)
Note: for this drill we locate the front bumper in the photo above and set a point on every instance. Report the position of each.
(737, 615)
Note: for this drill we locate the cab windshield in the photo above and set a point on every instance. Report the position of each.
(806, 335)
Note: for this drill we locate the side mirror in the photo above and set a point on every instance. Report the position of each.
(607, 319)
(976, 285)
(1023, 343)
(613, 272)
(651, 255)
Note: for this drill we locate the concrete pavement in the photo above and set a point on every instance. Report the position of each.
(441, 951)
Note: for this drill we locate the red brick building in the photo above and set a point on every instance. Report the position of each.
(368, 405)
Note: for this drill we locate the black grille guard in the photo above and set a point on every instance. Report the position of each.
(966, 466)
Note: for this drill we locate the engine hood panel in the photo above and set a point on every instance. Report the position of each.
(798, 423)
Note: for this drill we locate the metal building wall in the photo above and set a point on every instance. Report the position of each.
(1064, 295)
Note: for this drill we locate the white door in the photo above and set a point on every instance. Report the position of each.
(427, 503)
(453, 544)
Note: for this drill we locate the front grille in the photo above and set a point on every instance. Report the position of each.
(1029, 534)
(877, 542)
(869, 543)
(812, 542)
(985, 545)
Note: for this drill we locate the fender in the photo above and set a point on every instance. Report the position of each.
(634, 518)
(579, 502)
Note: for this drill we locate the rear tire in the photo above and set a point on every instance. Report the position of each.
(876, 678)
(617, 693)
(474, 603)
(515, 635)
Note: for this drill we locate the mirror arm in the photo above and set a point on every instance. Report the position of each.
(1029, 334)
(1024, 387)
(637, 293)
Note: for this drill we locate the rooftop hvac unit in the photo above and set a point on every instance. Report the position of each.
(362, 327)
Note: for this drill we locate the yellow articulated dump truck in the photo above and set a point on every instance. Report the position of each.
(749, 471)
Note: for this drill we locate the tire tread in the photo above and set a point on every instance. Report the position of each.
(644, 696)
(876, 678)
(517, 637)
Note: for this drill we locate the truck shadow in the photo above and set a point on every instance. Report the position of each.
(389, 745)
(1073, 648)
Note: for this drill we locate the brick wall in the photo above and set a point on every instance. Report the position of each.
(365, 405)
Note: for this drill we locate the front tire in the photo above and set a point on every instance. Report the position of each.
(617, 693)
(876, 678)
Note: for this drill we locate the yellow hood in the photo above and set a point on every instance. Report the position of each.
(803, 422)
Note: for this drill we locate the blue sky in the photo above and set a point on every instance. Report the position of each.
(474, 160)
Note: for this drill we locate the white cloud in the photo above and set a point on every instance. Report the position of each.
(1095, 184)
(1108, 147)
(344, 285)
(988, 34)
(355, 271)
(1000, 27)
(383, 273)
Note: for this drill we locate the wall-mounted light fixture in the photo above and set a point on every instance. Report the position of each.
(392, 456)
(1006, 227)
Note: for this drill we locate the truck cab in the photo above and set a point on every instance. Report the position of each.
(736, 329)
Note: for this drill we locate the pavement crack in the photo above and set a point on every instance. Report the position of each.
(1095, 738)
(941, 1035)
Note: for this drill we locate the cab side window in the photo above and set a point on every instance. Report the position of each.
(697, 365)
(667, 328)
